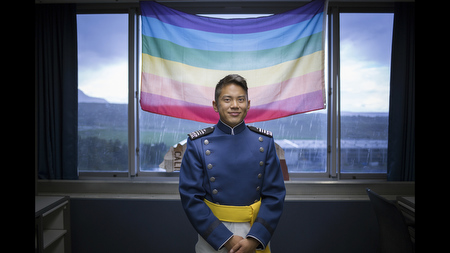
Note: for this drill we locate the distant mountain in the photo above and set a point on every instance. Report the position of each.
(83, 98)
(154, 128)
(365, 114)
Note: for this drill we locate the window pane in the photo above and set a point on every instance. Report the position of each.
(157, 133)
(365, 42)
(303, 137)
(102, 92)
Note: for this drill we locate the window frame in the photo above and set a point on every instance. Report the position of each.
(334, 124)
(333, 165)
(133, 101)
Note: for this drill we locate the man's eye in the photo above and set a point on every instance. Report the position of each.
(241, 100)
(226, 100)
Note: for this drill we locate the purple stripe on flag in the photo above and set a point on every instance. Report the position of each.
(231, 26)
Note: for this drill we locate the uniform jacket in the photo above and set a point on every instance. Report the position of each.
(231, 166)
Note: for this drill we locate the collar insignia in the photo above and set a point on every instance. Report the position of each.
(261, 131)
(200, 133)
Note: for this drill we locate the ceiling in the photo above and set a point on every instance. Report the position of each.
(211, 1)
(227, 6)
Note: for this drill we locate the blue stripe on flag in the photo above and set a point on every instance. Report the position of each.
(197, 39)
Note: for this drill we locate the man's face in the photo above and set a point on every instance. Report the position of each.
(233, 104)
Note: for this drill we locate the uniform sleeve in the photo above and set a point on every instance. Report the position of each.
(273, 193)
(192, 193)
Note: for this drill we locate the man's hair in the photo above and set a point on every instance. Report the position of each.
(231, 79)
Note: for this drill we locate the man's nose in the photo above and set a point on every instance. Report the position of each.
(234, 104)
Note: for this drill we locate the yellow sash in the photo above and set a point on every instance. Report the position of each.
(236, 214)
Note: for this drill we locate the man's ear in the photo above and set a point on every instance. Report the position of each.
(216, 109)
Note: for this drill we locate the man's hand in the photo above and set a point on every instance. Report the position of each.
(233, 241)
(247, 245)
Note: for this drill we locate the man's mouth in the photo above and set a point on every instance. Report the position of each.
(234, 114)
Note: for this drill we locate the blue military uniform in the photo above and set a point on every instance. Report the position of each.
(231, 166)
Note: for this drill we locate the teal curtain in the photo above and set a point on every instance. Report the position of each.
(402, 142)
(56, 84)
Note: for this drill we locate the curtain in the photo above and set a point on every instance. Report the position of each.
(401, 144)
(56, 81)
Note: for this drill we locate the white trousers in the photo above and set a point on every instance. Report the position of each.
(237, 228)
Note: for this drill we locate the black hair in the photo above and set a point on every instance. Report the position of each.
(229, 79)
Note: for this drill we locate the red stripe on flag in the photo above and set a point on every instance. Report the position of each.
(178, 108)
(278, 109)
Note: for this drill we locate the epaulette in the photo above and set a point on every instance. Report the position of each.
(261, 131)
(200, 133)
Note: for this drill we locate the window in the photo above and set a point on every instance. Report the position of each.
(314, 144)
(365, 55)
(102, 92)
(157, 133)
(303, 137)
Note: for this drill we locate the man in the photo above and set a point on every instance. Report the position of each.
(231, 183)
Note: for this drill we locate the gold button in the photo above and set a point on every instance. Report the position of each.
(257, 188)
(261, 163)
(210, 166)
(212, 179)
(206, 142)
(215, 191)
(259, 175)
(208, 152)
(260, 138)
(261, 149)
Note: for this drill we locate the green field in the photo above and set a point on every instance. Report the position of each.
(103, 134)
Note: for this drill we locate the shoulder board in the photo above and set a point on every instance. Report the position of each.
(200, 133)
(261, 131)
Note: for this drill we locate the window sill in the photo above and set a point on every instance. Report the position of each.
(167, 188)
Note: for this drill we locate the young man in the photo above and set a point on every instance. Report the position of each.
(231, 183)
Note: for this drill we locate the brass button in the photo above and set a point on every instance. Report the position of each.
(208, 152)
(261, 163)
(257, 188)
(210, 166)
(212, 179)
(259, 175)
(206, 142)
(215, 191)
(261, 149)
(260, 138)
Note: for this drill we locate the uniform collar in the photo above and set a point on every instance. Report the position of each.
(231, 130)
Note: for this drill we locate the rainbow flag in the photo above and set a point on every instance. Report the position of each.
(184, 56)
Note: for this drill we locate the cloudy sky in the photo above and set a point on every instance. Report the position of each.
(365, 59)
(103, 56)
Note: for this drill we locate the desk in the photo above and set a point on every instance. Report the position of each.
(52, 224)
(407, 206)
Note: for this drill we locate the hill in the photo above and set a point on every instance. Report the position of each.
(302, 126)
(102, 132)
(83, 98)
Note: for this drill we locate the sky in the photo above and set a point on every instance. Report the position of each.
(103, 56)
(365, 59)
